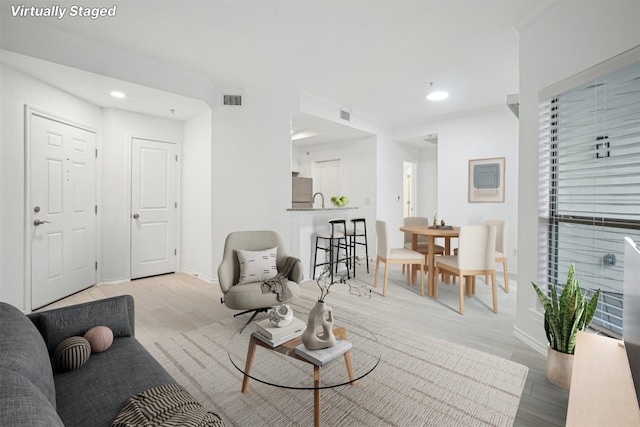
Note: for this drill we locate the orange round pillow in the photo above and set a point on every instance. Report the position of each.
(100, 338)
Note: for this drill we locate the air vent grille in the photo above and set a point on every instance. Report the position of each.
(232, 100)
(345, 115)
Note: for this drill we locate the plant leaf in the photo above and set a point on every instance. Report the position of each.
(550, 315)
(590, 311)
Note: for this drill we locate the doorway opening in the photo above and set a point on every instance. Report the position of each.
(410, 190)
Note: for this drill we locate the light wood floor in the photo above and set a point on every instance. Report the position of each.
(173, 304)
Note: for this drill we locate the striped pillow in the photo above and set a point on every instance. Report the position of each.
(71, 354)
(257, 266)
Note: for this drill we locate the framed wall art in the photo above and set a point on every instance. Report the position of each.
(486, 180)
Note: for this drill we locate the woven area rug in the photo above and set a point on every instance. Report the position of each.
(420, 381)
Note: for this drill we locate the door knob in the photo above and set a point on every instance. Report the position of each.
(136, 216)
(38, 222)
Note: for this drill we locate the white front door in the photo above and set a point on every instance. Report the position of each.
(62, 209)
(153, 208)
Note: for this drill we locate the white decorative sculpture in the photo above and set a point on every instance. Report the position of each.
(280, 315)
(320, 316)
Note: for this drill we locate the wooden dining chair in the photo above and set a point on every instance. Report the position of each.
(390, 255)
(476, 256)
(423, 241)
(501, 248)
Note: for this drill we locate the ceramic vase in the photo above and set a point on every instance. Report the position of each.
(319, 331)
(280, 315)
(559, 367)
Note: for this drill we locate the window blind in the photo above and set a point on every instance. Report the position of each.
(589, 184)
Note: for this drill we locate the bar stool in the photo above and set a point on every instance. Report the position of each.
(334, 241)
(358, 232)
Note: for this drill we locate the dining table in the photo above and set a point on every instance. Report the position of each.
(432, 233)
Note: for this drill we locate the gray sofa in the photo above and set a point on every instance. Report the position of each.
(32, 393)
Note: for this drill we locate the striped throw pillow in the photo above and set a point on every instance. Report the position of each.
(71, 354)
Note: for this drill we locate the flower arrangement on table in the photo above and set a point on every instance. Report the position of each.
(319, 331)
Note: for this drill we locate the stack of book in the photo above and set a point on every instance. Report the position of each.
(325, 355)
(275, 336)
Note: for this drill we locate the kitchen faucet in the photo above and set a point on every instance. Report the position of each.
(313, 199)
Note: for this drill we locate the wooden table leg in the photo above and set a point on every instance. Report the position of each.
(347, 362)
(431, 267)
(414, 267)
(251, 352)
(316, 396)
(447, 251)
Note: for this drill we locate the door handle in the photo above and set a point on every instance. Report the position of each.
(38, 222)
(136, 216)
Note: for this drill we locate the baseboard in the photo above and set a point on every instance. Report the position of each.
(530, 341)
(113, 282)
(206, 279)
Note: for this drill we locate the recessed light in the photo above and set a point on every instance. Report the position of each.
(436, 95)
(117, 94)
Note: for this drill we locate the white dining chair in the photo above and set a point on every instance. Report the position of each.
(476, 256)
(389, 255)
(423, 241)
(501, 248)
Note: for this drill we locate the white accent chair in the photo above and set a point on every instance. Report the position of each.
(249, 296)
(389, 255)
(501, 248)
(476, 255)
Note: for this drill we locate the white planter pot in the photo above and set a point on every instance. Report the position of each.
(559, 367)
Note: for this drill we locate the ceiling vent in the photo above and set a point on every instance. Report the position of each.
(345, 115)
(232, 100)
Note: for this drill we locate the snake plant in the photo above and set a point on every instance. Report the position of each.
(565, 316)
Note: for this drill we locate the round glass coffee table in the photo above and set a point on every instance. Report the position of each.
(281, 367)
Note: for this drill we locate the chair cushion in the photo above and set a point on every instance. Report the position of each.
(249, 296)
(408, 254)
(257, 266)
(424, 247)
(327, 235)
(448, 260)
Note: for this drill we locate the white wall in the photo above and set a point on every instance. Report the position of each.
(17, 91)
(196, 244)
(251, 167)
(570, 38)
(478, 134)
(115, 206)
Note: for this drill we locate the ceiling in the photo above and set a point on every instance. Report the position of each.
(375, 58)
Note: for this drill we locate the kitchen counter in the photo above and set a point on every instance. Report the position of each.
(305, 223)
(333, 208)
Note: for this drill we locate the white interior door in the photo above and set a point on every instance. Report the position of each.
(153, 208)
(62, 210)
(328, 180)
